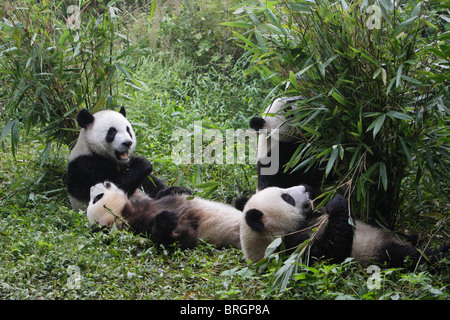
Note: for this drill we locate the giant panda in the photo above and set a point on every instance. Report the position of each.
(274, 117)
(165, 219)
(275, 212)
(103, 152)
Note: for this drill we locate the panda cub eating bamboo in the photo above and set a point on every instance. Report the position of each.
(166, 219)
(275, 212)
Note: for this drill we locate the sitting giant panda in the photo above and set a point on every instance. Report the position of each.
(287, 143)
(275, 212)
(173, 217)
(103, 152)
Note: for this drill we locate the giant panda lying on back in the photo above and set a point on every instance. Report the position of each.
(103, 152)
(275, 212)
(171, 218)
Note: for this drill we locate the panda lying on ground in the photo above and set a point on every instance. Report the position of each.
(171, 218)
(275, 212)
(103, 152)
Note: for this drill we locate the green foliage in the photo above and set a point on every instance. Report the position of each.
(50, 67)
(185, 27)
(42, 240)
(376, 100)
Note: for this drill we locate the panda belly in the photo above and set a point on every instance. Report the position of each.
(368, 241)
(218, 223)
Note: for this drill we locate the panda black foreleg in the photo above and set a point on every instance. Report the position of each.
(152, 185)
(335, 243)
(171, 191)
(134, 175)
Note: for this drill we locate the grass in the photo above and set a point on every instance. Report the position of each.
(42, 240)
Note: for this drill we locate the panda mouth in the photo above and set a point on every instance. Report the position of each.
(123, 156)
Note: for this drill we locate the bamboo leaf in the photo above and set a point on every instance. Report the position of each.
(236, 24)
(377, 124)
(383, 75)
(8, 128)
(272, 247)
(292, 80)
(405, 149)
(398, 81)
(402, 26)
(339, 98)
(99, 105)
(399, 115)
(332, 159)
(383, 176)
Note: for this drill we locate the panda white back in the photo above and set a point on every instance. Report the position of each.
(368, 240)
(219, 222)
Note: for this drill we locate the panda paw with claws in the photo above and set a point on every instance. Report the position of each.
(338, 206)
(140, 164)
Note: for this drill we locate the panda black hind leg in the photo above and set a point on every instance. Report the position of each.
(335, 243)
(165, 224)
(168, 229)
(398, 255)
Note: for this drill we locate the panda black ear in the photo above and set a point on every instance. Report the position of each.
(257, 123)
(253, 217)
(122, 111)
(84, 118)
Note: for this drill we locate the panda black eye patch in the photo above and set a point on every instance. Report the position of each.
(288, 198)
(111, 134)
(129, 132)
(97, 197)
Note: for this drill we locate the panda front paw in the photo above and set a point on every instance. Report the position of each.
(141, 164)
(170, 191)
(239, 203)
(338, 206)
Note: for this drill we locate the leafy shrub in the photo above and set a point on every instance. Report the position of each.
(375, 112)
(184, 27)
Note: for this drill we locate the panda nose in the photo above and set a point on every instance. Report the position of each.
(127, 143)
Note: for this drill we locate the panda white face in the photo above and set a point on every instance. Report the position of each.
(278, 211)
(111, 135)
(104, 196)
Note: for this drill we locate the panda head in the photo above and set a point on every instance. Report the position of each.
(105, 198)
(108, 133)
(276, 116)
(275, 211)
